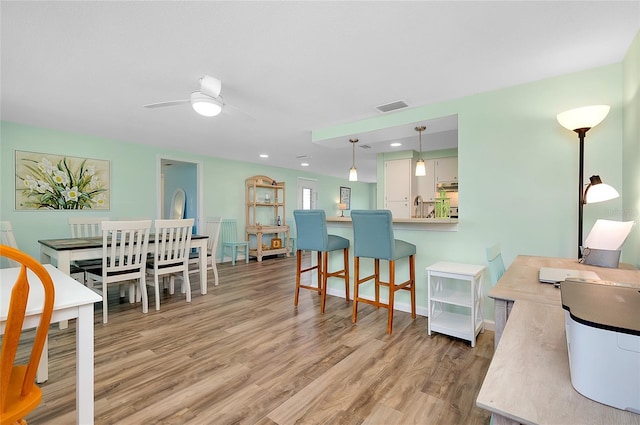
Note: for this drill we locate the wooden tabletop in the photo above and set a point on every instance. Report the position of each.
(529, 381)
(520, 281)
(86, 243)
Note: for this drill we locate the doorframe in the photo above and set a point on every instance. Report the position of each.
(199, 188)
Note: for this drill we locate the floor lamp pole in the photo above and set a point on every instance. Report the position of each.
(581, 133)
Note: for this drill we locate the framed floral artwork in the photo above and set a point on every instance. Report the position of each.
(345, 197)
(56, 182)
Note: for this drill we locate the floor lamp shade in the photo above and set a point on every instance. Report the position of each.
(584, 117)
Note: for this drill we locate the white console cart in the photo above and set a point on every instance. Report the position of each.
(455, 300)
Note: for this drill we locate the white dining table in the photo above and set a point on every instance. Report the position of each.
(72, 301)
(65, 251)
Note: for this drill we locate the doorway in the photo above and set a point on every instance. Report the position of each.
(307, 194)
(176, 173)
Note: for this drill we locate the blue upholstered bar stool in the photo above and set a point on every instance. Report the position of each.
(311, 228)
(373, 238)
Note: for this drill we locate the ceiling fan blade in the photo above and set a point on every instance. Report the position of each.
(235, 111)
(167, 103)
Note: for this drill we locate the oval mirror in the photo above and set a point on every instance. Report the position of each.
(178, 204)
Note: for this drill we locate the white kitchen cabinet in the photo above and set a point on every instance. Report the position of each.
(399, 184)
(447, 169)
(398, 179)
(454, 299)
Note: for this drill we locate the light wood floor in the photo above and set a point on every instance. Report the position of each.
(242, 354)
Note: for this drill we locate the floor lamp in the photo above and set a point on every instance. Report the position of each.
(582, 120)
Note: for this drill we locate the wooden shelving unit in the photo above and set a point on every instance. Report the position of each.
(265, 205)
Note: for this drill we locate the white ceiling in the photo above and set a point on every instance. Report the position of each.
(89, 67)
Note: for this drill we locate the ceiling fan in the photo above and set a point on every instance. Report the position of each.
(207, 102)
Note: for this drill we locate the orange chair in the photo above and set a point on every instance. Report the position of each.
(18, 393)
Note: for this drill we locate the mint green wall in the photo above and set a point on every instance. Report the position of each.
(518, 169)
(134, 182)
(631, 150)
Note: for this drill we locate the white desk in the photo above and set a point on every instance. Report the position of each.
(65, 251)
(72, 300)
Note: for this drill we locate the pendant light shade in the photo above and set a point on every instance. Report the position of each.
(353, 172)
(584, 117)
(421, 170)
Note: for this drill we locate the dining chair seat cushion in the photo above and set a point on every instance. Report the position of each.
(337, 242)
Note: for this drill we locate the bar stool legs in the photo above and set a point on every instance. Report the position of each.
(322, 265)
(408, 285)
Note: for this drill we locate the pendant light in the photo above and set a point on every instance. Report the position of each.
(420, 167)
(353, 173)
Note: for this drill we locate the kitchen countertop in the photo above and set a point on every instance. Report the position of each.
(403, 220)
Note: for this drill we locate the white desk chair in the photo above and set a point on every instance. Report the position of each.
(124, 254)
(171, 254)
(213, 232)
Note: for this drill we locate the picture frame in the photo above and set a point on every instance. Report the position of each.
(345, 196)
(45, 182)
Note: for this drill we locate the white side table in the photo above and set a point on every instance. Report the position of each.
(455, 308)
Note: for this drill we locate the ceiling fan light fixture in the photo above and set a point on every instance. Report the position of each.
(205, 105)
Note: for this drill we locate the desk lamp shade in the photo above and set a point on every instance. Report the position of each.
(597, 191)
(585, 117)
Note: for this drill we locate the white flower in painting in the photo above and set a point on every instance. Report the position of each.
(60, 177)
(71, 194)
(99, 200)
(46, 166)
(91, 170)
(43, 187)
(30, 182)
(94, 183)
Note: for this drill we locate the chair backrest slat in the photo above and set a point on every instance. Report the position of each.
(212, 227)
(125, 245)
(229, 230)
(172, 241)
(86, 227)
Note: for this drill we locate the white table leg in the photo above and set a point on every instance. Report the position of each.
(202, 253)
(42, 375)
(84, 365)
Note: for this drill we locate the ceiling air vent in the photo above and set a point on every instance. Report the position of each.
(365, 146)
(393, 106)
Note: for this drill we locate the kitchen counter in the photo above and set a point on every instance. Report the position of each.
(442, 224)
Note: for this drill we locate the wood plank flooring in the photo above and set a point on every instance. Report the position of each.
(243, 354)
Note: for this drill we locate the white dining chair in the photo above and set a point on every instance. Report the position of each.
(125, 246)
(8, 238)
(171, 254)
(212, 226)
(85, 227)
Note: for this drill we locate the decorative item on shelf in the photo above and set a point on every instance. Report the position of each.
(279, 222)
(353, 173)
(276, 243)
(274, 183)
(442, 205)
(421, 170)
(267, 198)
(342, 207)
(582, 120)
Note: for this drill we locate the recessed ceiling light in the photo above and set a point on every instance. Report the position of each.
(304, 164)
(396, 144)
(264, 155)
